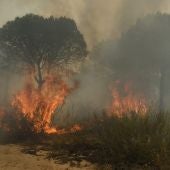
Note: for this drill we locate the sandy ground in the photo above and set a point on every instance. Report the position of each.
(12, 158)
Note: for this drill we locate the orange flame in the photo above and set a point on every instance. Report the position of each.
(73, 129)
(39, 105)
(127, 102)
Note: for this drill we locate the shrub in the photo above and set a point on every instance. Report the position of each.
(134, 140)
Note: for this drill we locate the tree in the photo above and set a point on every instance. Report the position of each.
(145, 50)
(42, 43)
(7, 67)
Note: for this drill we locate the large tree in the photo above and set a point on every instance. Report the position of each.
(144, 51)
(42, 42)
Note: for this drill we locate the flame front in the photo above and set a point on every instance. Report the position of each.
(38, 105)
(127, 101)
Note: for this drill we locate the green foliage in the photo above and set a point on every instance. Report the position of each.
(35, 40)
(41, 44)
(146, 44)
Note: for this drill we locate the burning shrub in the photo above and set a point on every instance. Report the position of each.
(38, 105)
(126, 99)
(32, 109)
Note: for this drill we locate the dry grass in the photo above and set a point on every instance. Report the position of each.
(130, 141)
(133, 141)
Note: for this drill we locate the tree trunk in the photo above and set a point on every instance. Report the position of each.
(162, 90)
(39, 78)
(6, 85)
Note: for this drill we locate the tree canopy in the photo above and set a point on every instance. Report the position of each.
(146, 44)
(141, 55)
(143, 52)
(40, 42)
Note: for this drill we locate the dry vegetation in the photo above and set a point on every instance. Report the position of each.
(133, 141)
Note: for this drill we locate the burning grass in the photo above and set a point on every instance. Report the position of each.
(125, 99)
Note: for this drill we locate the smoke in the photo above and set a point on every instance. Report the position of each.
(97, 19)
(136, 59)
(93, 94)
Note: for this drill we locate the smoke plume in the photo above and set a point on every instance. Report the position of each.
(97, 19)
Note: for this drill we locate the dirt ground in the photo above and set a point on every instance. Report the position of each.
(12, 158)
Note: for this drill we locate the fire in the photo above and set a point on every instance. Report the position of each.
(127, 101)
(74, 128)
(38, 105)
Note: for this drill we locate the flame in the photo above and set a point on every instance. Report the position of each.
(126, 102)
(38, 105)
(61, 131)
(76, 128)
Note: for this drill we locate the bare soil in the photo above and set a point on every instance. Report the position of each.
(12, 157)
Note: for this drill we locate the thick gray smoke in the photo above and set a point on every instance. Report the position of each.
(97, 19)
(140, 57)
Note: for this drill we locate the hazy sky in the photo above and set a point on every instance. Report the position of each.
(97, 19)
